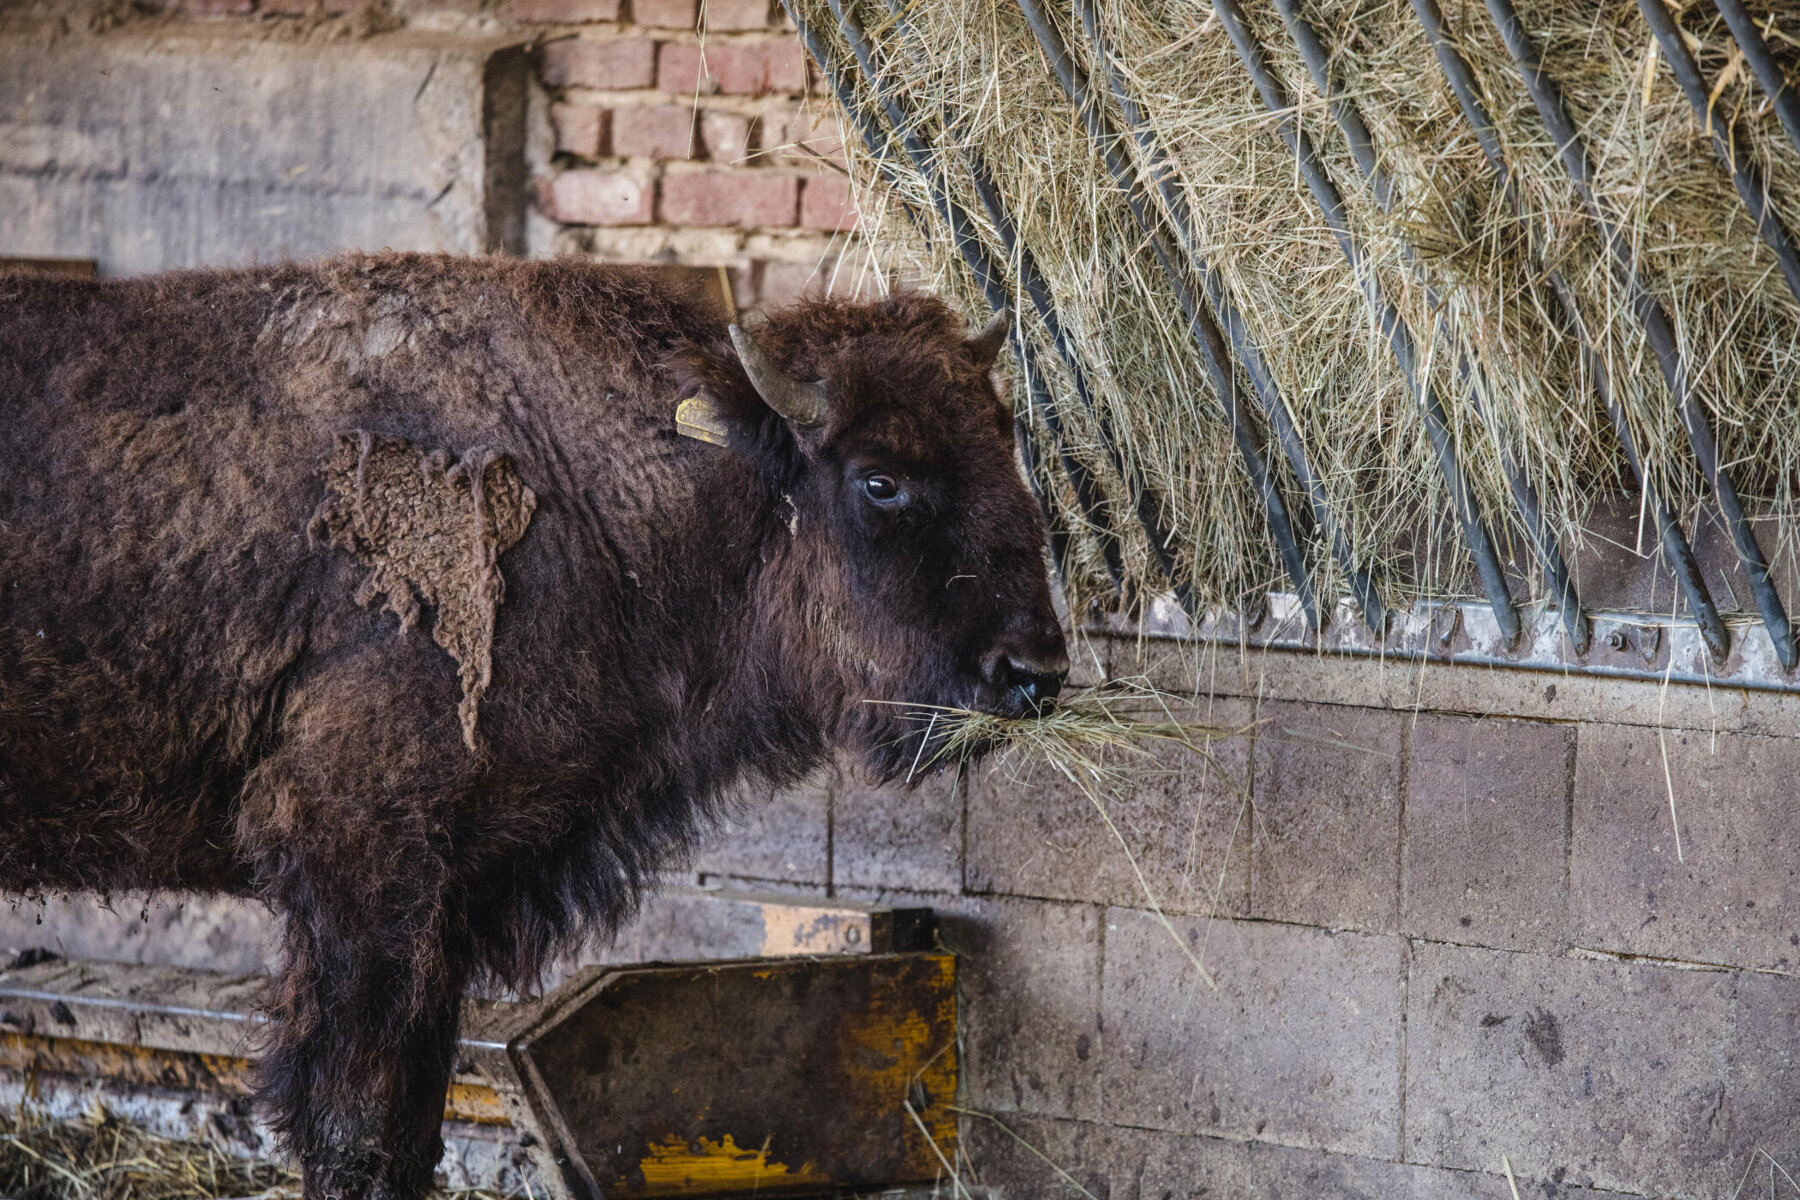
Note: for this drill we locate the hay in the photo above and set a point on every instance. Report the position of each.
(106, 1157)
(1738, 324)
(103, 1157)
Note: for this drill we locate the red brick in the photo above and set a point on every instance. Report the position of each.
(730, 15)
(564, 12)
(601, 198)
(654, 131)
(666, 14)
(217, 8)
(751, 199)
(737, 68)
(591, 62)
(808, 137)
(580, 128)
(825, 203)
(727, 136)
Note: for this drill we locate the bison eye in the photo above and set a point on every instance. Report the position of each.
(882, 489)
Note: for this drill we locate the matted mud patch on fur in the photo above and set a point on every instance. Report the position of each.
(432, 533)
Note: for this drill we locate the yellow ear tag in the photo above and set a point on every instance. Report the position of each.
(699, 417)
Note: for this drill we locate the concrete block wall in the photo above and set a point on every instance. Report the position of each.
(1444, 916)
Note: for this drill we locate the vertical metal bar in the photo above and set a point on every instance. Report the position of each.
(1674, 542)
(1362, 148)
(1399, 337)
(1262, 380)
(1200, 323)
(1750, 187)
(989, 279)
(1548, 98)
(1768, 72)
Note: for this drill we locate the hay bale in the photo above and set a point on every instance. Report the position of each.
(985, 83)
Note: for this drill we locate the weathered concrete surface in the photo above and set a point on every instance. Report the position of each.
(1186, 822)
(218, 933)
(1614, 1075)
(1327, 832)
(785, 836)
(1300, 1043)
(1732, 895)
(168, 144)
(1486, 832)
(898, 837)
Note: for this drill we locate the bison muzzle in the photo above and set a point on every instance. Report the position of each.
(438, 603)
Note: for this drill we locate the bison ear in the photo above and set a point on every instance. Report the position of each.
(800, 402)
(985, 346)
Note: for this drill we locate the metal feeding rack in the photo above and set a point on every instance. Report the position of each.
(1224, 341)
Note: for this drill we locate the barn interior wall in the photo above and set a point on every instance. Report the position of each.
(1444, 910)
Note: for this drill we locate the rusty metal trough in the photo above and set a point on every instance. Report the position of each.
(828, 1061)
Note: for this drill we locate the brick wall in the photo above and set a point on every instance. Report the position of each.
(692, 137)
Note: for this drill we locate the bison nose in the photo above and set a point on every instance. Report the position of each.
(1033, 686)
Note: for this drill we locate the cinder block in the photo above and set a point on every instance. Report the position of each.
(563, 12)
(826, 203)
(1486, 832)
(601, 198)
(654, 131)
(784, 837)
(1029, 974)
(1601, 1073)
(896, 836)
(1028, 1158)
(727, 196)
(1764, 1082)
(1299, 1044)
(1185, 821)
(610, 63)
(1327, 835)
(580, 129)
(1736, 898)
(217, 933)
(1162, 1166)
(727, 136)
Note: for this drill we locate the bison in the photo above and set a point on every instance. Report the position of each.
(438, 602)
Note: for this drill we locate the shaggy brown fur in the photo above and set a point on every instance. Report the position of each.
(195, 694)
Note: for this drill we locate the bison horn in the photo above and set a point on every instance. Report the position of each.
(802, 403)
(986, 344)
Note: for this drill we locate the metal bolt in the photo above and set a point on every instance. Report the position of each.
(1616, 640)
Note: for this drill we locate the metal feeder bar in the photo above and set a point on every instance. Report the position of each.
(1200, 323)
(1325, 194)
(1744, 174)
(1268, 392)
(1674, 542)
(1362, 147)
(1768, 72)
(1573, 151)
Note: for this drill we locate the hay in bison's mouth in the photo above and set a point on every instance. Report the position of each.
(1094, 733)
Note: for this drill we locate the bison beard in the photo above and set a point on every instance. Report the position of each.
(208, 479)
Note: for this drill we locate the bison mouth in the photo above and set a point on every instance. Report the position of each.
(917, 740)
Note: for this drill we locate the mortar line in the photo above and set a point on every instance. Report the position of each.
(1572, 764)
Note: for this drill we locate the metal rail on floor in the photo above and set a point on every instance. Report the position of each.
(1573, 152)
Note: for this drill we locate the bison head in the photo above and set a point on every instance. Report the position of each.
(915, 550)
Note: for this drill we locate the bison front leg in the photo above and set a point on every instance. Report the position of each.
(363, 1037)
